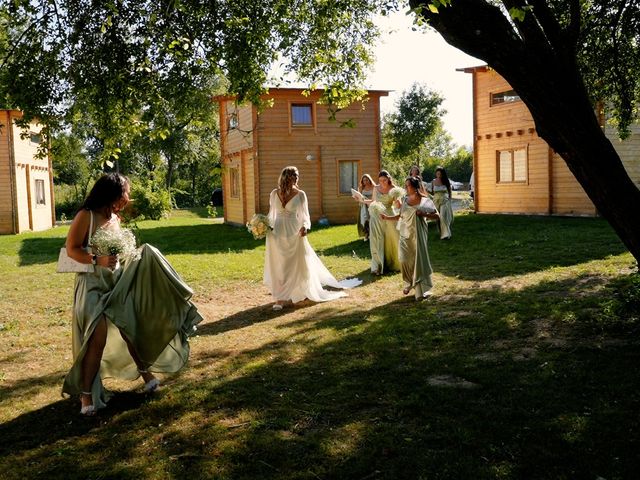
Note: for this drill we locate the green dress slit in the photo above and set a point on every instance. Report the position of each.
(147, 302)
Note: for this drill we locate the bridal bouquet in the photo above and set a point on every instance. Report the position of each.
(397, 193)
(116, 242)
(258, 226)
(376, 208)
(427, 206)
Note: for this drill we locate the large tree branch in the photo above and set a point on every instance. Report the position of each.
(475, 27)
(548, 22)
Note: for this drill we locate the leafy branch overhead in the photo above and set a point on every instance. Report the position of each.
(123, 58)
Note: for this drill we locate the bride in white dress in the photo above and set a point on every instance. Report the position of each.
(292, 270)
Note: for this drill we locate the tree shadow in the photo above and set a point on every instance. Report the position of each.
(545, 398)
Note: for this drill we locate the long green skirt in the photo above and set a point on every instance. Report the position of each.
(147, 302)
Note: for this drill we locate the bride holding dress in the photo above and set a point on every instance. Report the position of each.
(292, 270)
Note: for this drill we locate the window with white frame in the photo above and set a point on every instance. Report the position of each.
(35, 138)
(511, 165)
(508, 96)
(347, 176)
(301, 115)
(40, 198)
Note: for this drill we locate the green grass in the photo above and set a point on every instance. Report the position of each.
(533, 329)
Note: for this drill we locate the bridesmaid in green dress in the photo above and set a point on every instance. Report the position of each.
(441, 191)
(128, 321)
(383, 236)
(414, 254)
(366, 189)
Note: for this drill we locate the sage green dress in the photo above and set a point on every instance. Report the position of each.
(363, 215)
(146, 301)
(414, 253)
(383, 237)
(443, 203)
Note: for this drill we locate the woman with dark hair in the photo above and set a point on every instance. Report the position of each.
(441, 191)
(383, 236)
(413, 247)
(292, 270)
(128, 320)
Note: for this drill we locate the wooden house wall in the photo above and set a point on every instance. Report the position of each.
(239, 138)
(19, 170)
(629, 150)
(6, 197)
(550, 187)
(568, 196)
(30, 168)
(503, 127)
(325, 144)
(232, 204)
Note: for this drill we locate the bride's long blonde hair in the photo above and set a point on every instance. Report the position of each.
(288, 178)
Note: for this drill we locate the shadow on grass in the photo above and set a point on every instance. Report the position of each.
(546, 397)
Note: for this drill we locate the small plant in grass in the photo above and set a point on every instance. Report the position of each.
(212, 211)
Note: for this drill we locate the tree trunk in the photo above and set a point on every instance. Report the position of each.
(548, 82)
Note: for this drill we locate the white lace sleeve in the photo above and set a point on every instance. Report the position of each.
(303, 211)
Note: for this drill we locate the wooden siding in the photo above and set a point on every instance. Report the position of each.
(233, 205)
(316, 151)
(629, 150)
(6, 196)
(568, 197)
(550, 188)
(19, 169)
(241, 137)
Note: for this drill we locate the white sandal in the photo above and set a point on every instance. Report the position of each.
(152, 385)
(88, 410)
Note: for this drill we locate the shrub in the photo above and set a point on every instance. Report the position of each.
(148, 202)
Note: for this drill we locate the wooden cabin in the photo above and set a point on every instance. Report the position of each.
(297, 131)
(515, 171)
(26, 181)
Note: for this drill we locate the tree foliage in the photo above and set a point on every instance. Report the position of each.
(417, 115)
(114, 57)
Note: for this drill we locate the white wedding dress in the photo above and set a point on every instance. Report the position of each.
(292, 270)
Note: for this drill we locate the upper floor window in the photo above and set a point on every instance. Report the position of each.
(40, 198)
(35, 138)
(232, 121)
(507, 96)
(301, 114)
(512, 165)
(347, 176)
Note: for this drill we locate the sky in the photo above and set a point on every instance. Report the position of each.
(404, 56)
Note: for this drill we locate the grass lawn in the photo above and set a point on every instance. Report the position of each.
(523, 364)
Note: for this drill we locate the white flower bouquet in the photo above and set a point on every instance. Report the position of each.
(397, 193)
(427, 206)
(115, 242)
(258, 226)
(376, 208)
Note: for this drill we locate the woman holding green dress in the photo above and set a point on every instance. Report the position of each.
(128, 320)
(383, 236)
(413, 248)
